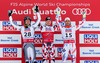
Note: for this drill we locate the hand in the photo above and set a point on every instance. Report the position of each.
(84, 14)
(10, 12)
(58, 11)
(35, 9)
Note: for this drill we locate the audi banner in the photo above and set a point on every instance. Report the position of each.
(70, 8)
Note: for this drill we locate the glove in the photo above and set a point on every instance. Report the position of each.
(58, 10)
(58, 13)
(84, 15)
(9, 12)
(35, 9)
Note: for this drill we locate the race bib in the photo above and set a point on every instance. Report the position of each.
(68, 35)
(27, 34)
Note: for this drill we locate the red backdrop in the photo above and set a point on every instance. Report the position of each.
(47, 5)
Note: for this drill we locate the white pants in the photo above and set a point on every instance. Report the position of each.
(29, 51)
(69, 47)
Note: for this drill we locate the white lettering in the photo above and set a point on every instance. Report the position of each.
(42, 12)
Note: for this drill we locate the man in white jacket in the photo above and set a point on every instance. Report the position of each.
(27, 32)
(68, 32)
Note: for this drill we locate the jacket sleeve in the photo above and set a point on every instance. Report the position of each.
(11, 21)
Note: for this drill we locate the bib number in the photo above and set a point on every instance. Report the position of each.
(27, 34)
(69, 35)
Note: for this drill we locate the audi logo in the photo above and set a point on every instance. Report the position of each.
(79, 11)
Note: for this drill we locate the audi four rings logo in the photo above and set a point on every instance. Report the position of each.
(79, 11)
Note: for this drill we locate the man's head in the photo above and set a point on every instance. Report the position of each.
(48, 21)
(67, 21)
(27, 21)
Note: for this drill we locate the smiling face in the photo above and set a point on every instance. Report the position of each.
(27, 22)
(48, 22)
(68, 23)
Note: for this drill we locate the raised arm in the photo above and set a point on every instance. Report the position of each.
(36, 10)
(11, 20)
(58, 16)
(83, 21)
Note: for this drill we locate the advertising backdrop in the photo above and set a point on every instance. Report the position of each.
(87, 38)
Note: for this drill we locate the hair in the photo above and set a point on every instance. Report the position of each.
(47, 18)
(67, 18)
